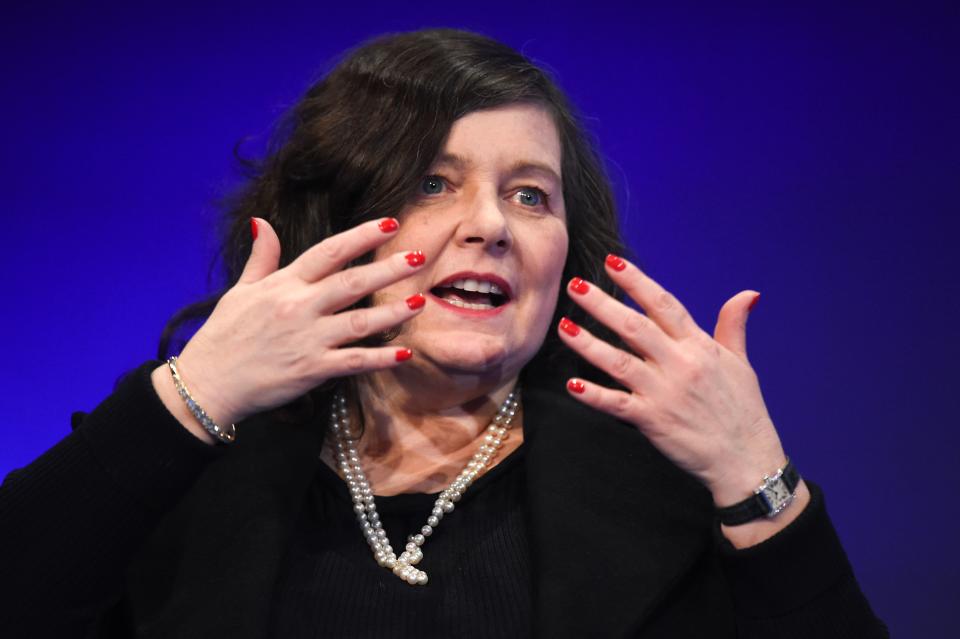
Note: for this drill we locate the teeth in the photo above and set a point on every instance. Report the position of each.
(476, 286)
(477, 307)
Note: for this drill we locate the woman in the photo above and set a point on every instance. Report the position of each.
(415, 271)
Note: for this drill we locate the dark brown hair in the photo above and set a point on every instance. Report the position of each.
(356, 146)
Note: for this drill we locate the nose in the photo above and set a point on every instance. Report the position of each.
(485, 225)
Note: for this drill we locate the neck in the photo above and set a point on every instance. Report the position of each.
(417, 437)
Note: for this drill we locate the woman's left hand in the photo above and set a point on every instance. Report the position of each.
(695, 397)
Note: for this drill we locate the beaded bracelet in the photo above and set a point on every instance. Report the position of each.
(225, 435)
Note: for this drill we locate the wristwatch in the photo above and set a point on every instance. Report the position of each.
(775, 494)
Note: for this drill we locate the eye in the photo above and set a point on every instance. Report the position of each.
(532, 196)
(431, 185)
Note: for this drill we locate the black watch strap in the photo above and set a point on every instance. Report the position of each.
(768, 500)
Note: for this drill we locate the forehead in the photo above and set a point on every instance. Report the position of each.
(506, 136)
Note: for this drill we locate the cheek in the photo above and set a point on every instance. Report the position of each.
(556, 257)
(550, 262)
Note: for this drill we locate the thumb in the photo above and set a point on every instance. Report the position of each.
(265, 255)
(731, 329)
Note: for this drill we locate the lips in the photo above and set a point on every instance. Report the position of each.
(474, 291)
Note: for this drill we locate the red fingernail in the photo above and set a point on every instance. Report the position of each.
(253, 228)
(754, 302)
(416, 301)
(388, 225)
(568, 327)
(579, 286)
(576, 386)
(615, 262)
(415, 258)
(403, 354)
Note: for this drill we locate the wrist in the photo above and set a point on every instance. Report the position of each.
(196, 376)
(223, 432)
(167, 392)
(759, 530)
(741, 481)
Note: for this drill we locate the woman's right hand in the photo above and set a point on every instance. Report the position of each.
(277, 333)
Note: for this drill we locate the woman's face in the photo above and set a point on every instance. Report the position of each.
(490, 218)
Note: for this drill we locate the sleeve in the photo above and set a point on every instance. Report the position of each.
(72, 519)
(799, 583)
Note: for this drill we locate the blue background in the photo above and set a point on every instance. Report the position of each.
(809, 154)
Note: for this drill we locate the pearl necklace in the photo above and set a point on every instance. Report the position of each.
(366, 510)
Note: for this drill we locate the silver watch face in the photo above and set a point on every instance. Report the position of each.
(777, 495)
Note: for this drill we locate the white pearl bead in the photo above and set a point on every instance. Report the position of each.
(363, 498)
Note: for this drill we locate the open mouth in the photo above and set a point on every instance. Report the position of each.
(480, 293)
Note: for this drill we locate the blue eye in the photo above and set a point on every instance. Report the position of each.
(531, 196)
(431, 185)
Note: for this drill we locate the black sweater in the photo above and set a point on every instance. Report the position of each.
(130, 526)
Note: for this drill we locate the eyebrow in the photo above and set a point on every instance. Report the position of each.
(461, 163)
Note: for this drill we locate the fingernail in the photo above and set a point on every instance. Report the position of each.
(253, 228)
(568, 327)
(753, 303)
(388, 225)
(579, 286)
(576, 386)
(616, 263)
(416, 258)
(416, 301)
(403, 354)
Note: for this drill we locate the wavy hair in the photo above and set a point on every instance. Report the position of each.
(357, 144)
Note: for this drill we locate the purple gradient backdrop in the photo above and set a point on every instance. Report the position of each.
(811, 155)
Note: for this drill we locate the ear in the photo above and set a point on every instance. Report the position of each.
(731, 329)
(265, 257)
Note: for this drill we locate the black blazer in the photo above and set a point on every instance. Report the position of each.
(623, 543)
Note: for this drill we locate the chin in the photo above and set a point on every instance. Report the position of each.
(470, 353)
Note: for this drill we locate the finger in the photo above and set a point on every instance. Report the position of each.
(638, 331)
(331, 254)
(350, 326)
(265, 254)
(624, 367)
(658, 303)
(731, 329)
(353, 361)
(620, 404)
(345, 287)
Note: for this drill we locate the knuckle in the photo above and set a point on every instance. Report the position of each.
(351, 281)
(358, 323)
(331, 248)
(694, 372)
(620, 404)
(636, 324)
(621, 365)
(665, 301)
(286, 309)
(354, 362)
